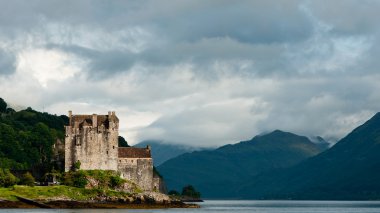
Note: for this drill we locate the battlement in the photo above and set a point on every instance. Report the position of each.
(94, 120)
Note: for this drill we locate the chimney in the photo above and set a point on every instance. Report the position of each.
(148, 149)
(109, 114)
(113, 114)
(70, 116)
(94, 120)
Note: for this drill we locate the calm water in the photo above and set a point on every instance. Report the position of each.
(248, 206)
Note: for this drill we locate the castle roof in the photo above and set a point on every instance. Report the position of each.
(132, 152)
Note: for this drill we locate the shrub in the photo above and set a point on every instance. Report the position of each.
(104, 178)
(68, 179)
(27, 179)
(190, 191)
(173, 192)
(77, 179)
(7, 179)
(77, 165)
(116, 181)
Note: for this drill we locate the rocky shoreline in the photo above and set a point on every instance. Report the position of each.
(147, 200)
(67, 204)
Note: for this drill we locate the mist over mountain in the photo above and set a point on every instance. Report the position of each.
(321, 142)
(219, 173)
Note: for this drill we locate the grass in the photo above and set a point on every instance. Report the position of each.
(56, 192)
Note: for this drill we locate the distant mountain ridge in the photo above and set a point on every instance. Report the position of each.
(349, 171)
(219, 172)
(162, 151)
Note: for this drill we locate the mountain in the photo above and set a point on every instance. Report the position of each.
(350, 170)
(219, 173)
(162, 152)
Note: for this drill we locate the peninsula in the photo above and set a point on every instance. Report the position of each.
(96, 172)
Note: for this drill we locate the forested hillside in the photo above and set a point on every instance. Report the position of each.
(27, 137)
(219, 173)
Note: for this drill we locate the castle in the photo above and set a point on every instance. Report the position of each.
(92, 140)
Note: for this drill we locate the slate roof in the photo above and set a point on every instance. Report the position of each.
(132, 152)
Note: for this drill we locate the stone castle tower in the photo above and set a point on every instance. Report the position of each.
(93, 141)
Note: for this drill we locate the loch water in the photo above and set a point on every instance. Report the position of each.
(242, 206)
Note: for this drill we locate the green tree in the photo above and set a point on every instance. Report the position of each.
(9, 144)
(27, 179)
(122, 142)
(7, 179)
(190, 191)
(3, 105)
(43, 140)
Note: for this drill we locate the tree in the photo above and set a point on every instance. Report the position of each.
(122, 142)
(43, 140)
(27, 179)
(7, 179)
(190, 191)
(3, 105)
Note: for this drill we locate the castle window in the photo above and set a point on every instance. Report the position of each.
(107, 152)
(113, 147)
(77, 142)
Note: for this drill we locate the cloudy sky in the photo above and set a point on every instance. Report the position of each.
(203, 73)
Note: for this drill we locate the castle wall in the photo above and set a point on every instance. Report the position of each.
(138, 170)
(159, 185)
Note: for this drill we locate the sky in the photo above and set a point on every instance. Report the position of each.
(200, 73)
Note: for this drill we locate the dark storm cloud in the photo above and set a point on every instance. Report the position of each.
(244, 21)
(263, 59)
(348, 17)
(101, 63)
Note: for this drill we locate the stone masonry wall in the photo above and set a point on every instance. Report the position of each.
(138, 170)
(95, 146)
